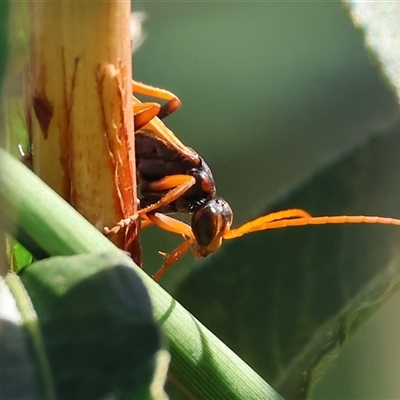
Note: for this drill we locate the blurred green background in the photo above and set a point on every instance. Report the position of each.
(272, 91)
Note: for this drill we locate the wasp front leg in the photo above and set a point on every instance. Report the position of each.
(172, 258)
(175, 226)
(178, 185)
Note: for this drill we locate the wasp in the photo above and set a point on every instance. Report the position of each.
(173, 178)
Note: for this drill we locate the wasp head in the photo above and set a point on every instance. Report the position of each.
(209, 223)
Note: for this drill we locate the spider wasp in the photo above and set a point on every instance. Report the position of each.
(174, 178)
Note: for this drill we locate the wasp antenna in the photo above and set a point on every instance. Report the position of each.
(299, 220)
(352, 219)
(278, 219)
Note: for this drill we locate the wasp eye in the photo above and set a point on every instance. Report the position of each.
(210, 222)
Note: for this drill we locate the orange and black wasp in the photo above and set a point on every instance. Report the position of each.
(173, 178)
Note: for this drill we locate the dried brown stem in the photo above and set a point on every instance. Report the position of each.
(79, 110)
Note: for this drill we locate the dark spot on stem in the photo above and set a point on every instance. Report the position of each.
(44, 112)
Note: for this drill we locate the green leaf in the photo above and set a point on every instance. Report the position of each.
(96, 320)
(22, 256)
(284, 299)
(379, 23)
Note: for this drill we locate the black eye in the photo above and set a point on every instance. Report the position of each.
(211, 220)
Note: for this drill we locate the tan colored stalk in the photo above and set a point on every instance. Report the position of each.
(79, 112)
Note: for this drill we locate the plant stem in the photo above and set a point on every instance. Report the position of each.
(79, 107)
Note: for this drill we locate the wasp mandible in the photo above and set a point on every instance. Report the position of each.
(173, 178)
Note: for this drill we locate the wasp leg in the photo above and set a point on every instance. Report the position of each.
(172, 225)
(172, 104)
(278, 219)
(145, 221)
(171, 258)
(143, 113)
(303, 218)
(179, 185)
(159, 129)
